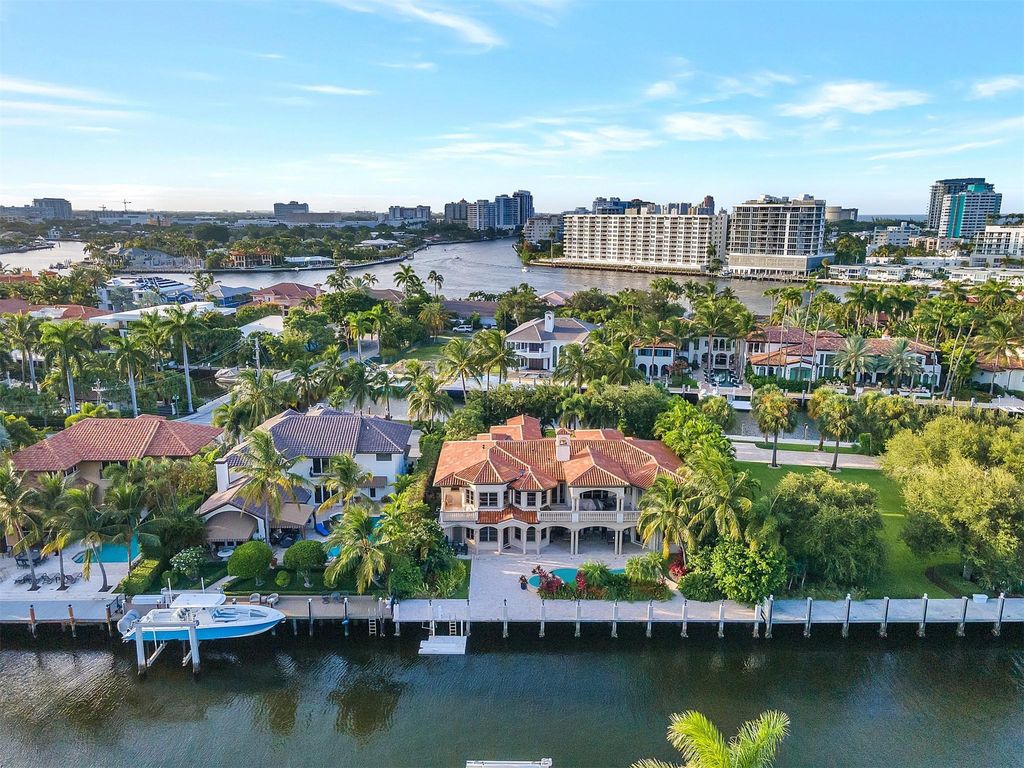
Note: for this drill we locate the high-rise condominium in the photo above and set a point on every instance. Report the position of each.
(777, 236)
(965, 213)
(481, 214)
(456, 213)
(944, 187)
(524, 205)
(640, 238)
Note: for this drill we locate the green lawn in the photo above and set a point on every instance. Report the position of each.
(426, 352)
(805, 448)
(904, 572)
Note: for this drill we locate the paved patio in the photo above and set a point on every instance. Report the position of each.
(9, 571)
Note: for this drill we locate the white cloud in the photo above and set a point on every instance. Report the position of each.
(334, 90)
(661, 89)
(198, 76)
(936, 151)
(269, 56)
(862, 98)
(986, 89)
(52, 90)
(704, 126)
(757, 84)
(102, 129)
(65, 110)
(431, 12)
(422, 66)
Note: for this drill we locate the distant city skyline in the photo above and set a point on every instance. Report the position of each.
(365, 104)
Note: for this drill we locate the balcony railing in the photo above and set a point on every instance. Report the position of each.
(467, 515)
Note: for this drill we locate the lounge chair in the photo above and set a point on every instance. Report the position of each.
(25, 578)
(272, 599)
(255, 598)
(322, 529)
(325, 598)
(336, 597)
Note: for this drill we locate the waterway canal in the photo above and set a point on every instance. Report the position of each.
(328, 701)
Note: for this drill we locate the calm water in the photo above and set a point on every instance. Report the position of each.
(488, 266)
(592, 702)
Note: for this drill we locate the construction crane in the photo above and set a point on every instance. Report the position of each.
(126, 204)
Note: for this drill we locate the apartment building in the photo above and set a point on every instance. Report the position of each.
(965, 214)
(777, 236)
(642, 239)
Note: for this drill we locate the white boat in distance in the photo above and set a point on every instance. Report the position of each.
(206, 612)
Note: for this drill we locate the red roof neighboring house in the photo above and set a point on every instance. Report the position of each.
(13, 306)
(115, 440)
(284, 294)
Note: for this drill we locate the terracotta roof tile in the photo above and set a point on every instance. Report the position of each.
(115, 440)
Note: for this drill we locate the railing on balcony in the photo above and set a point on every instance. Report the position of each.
(468, 514)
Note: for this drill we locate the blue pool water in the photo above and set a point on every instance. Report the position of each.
(568, 575)
(333, 551)
(112, 553)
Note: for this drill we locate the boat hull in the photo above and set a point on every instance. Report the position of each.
(226, 630)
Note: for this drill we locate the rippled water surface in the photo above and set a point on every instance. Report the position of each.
(331, 701)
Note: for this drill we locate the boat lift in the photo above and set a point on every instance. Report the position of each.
(130, 627)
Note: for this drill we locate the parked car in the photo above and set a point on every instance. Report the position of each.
(463, 329)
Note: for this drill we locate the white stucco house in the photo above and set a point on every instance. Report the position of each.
(379, 446)
(539, 342)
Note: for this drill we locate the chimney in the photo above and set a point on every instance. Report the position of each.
(562, 445)
(549, 321)
(222, 475)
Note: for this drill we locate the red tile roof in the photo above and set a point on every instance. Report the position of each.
(286, 291)
(115, 440)
(597, 457)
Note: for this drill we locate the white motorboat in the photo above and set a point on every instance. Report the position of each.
(206, 612)
(227, 375)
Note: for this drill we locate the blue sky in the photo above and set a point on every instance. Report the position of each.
(365, 103)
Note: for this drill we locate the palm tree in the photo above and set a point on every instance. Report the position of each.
(773, 412)
(306, 381)
(836, 421)
(151, 334)
(19, 518)
(900, 362)
(815, 404)
(494, 354)
(712, 317)
(359, 324)
(853, 358)
(1001, 340)
(268, 476)
(380, 320)
(22, 331)
(858, 299)
(703, 745)
(66, 345)
(617, 364)
(725, 494)
(360, 389)
(573, 367)
(125, 509)
(182, 326)
(574, 410)
(50, 499)
(437, 279)
(344, 478)
(405, 277)
(665, 512)
(428, 401)
(993, 294)
(387, 387)
(261, 395)
(433, 316)
(359, 549)
(458, 361)
(128, 357)
(81, 521)
(338, 280)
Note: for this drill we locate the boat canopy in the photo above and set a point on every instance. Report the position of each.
(198, 600)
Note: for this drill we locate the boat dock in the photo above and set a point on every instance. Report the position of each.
(101, 608)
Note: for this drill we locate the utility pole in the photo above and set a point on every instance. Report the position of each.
(258, 353)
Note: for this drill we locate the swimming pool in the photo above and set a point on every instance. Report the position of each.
(568, 575)
(112, 553)
(333, 551)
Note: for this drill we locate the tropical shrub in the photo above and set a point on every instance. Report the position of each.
(304, 556)
(748, 573)
(700, 586)
(448, 582)
(406, 578)
(188, 562)
(596, 574)
(649, 567)
(251, 561)
(283, 579)
(166, 577)
(141, 578)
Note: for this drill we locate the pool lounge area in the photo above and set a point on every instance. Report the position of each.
(111, 553)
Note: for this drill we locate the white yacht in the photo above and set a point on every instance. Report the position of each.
(206, 612)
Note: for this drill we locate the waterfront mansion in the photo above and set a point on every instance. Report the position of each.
(513, 488)
(379, 446)
(537, 343)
